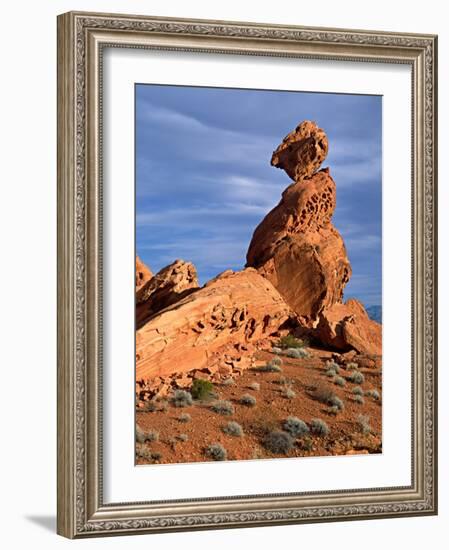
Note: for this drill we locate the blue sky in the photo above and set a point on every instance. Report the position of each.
(204, 180)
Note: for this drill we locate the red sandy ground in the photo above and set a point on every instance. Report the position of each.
(269, 413)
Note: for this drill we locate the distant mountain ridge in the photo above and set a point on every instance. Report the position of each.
(375, 313)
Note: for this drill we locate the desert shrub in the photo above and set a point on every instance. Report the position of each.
(319, 427)
(334, 410)
(281, 380)
(248, 400)
(295, 427)
(163, 405)
(357, 390)
(359, 399)
(288, 393)
(331, 373)
(146, 435)
(278, 442)
(183, 437)
(233, 428)
(276, 361)
(352, 366)
(184, 417)
(336, 402)
(223, 407)
(182, 398)
(254, 386)
(216, 452)
(324, 395)
(339, 381)
(173, 441)
(363, 423)
(269, 367)
(150, 406)
(332, 365)
(276, 350)
(306, 443)
(356, 377)
(296, 353)
(373, 393)
(290, 341)
(143, 452)
(201, 389)
(229, 382)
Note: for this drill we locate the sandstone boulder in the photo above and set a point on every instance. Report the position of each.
(143, 273)
(299, 251)
(348, 327)
(302, 151)
(205, 326)
(169, 285)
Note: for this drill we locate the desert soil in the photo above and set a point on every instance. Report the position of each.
(272, 408)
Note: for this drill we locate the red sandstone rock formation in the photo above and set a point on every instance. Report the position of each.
(347, 327)
(143, 273)
(302, 151)
(169, 285)
(299, 250)
(227, 316)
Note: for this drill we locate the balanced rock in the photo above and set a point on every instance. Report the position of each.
(302, 151)
(143, 273)
(299, 251)
(348, 327)
(169, 285)
(209, 324)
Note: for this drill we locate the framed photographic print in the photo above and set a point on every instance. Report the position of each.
(246, 274)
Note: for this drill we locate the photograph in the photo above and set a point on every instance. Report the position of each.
(258, 274)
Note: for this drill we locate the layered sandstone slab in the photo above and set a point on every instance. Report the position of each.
(348, 327)
(299, 251)
(302, 151)
(234, 310)
(143, 273)
(169, 285)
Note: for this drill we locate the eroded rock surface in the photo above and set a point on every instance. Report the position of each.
(143, 273)
(302, 151)
(299, 251)
(169, 285)
(348, 327)
(227, 316)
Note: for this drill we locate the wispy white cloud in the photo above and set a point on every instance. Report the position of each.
(357, 238)
(355, 162)
(170, 117)
(207, 142)
(192, 215)
(362, 242)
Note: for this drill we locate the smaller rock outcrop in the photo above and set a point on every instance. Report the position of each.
(211, 328)
(169, 285)
(348, 327)
(143, 273)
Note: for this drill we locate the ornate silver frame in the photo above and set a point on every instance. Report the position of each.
(81, 39)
